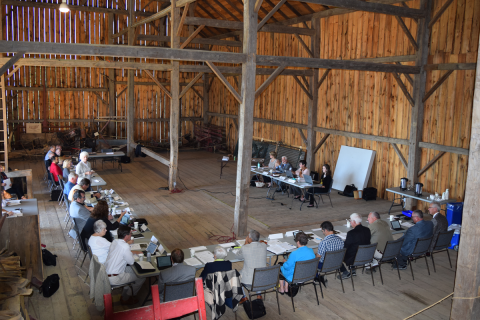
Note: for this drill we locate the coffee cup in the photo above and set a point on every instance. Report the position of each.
(192, 253)
(392, 217)
(140, 256)
(135, 225)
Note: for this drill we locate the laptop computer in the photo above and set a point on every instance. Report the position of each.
(152, 247)
(396, 225)
(164, 262)
(289, 173)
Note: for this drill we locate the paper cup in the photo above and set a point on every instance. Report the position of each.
(135, 225)
(140, 256)
(392, 217)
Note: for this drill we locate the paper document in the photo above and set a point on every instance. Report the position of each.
(205, 256)
(290, 233)
(153, 239)
(145, 265)
(198, 248)
(225, 158)
(227, 245)
(407, 224)
(276, 249)
(282, 178)
(160, 249)
(316, 238)
(275, 236)
(110, 153)
(192, 262)
(13, 203)
(143, 228)
(135, 247)
(241, 242)
(342, 235)
(318, 229)
(8, 183)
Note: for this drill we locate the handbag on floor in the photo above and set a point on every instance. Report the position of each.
(50, 285)
(258, 309)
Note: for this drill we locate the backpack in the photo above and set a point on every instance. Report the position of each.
(55, 195)
(348, 191)
(48, 258)
(124, 159)
(258, 309)
(50, 285)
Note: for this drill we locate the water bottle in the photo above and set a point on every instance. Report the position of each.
(258, 165)
(446, 194)
(149, 256)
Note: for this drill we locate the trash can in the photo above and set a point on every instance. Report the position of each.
(454, 213)
(456, 236)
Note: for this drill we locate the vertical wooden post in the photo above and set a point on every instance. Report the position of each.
(130, 83)
(112, 100)
(206, 80)
(416, 126)
(245, 119)
(175, 101)
(313, 103)
(467, 281)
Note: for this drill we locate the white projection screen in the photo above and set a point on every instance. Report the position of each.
(354, 166)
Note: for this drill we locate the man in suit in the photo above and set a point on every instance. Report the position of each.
(177, 273)
(360, 235)
(421, 229)
(78, 210)
(380, 234)
(284, 167)
(219, 254)
(254, 255)
(440, 222)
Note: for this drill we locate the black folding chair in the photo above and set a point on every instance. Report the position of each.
(443, 242)
(331, 264)
(364, 256)
(304, 273)
(392, 250)
(420, 250)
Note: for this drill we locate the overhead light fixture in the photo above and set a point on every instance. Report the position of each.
(64, 7)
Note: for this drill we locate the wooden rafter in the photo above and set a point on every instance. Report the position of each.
(407, 76)
(11, 73)
(323, 78)
(400, 155)
(226, 10)
(11, 62)
(439, 13)
(269, 81)
(407, 32)
(100, 97)
(303, 87)
(193, 35)
(304, 45)
(270, 14)
(404, 88)
(121, 92)
(320, 144)
(302, 135)
(190, 85)
(258, 5)
(224, 81)
(184, 15)
(431, 163)
(162, 87)
(437, 85)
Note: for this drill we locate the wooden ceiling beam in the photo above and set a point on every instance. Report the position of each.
(270, 14)
(226, 10)
(224, 80)
(193, 35)
(11, 62)
(212, 42)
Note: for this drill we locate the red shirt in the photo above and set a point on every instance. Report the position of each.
(55, 170)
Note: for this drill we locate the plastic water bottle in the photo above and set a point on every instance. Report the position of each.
(149, 256)
(258, 165)
(446, 194)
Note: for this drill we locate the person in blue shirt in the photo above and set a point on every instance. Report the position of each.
(72, 181)
(301, 254)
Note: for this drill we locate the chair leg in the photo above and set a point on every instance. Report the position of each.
(84, 257)
(293, 304)
(449, 259)
(433, 262)
(351, 277)
(250, 301)
(380, 270)
(330, 200)
(426, 261)
(341, 280)
(278, 304)
(316, 294)
(411, 268)
(398, 270)
(371, 272)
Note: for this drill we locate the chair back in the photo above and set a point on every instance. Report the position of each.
(392, 249)
(364, 254)
(305, 270)
(60, 181)
(333, 260)
(314, 175)
(106, 150)
(443, 240)
(330, 188)
(422, 246)
(90, 253)
(178, 290)
(89, 150)
(67, 201)
(81, 240)
(265, 278)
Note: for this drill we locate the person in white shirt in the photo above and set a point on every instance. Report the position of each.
(118, 272)
(99, 245)
(300, 173)
(84, 168)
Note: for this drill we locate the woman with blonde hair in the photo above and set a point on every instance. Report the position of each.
(271, 165)
(67, 165)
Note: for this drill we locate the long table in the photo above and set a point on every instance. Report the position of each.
(102, 155)
(401, 194)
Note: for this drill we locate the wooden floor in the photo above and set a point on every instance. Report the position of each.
(189, 218)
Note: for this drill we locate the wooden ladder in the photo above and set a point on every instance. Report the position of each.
(4, 126)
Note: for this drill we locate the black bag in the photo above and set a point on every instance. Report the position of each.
(55, 195)
(253, 180)
(292, 290)
(141, 221)
(369, 194)
(348, 191)
(50, 285)
(48, 258)
(125, 159)
(258, 309)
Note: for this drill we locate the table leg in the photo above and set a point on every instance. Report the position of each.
(396, 205)
(149, 291)
(302, 202)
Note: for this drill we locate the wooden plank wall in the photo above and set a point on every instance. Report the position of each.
(33, 24)
(372, 102)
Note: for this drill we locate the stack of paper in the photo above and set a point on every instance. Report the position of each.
(290, 233)
(205, 256)
(407, 224)
(241, 242)
(227, 245)
(198, 248)
(225, 158)
(279, 247)
(275, 236)
(316, 238)
(342, 235)
(192, 262)
(276, 249)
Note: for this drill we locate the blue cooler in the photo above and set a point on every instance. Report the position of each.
(454, 213)
(407, 213)
(455, 239)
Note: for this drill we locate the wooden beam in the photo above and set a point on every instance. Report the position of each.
(321, 143)
(303, 87)
(437, 85)
(302, 136)
(439, 13)
(407, 32)
(197, 93)
(258, 5)
(400, 155)
(439, 147)
(465, 304)
(112, 96)
(238, 70)
(152, 154)
(121, 92)
(193, 41)
(269, 80)
(101, 99)
(11, 62)
(57, 89)
(193, 35)
(270, 14)
(226, 10)
(224, 81)
(404, 88)
(431, 163)
(161, 86)
(245, 132)
(12, 72)
(407, 76)
(304, 45)
(184, 15)
(406, 58)
(190, 85)
(451, 66)
(323, 78)
(206, 97)
(370, 7)
(130, 108)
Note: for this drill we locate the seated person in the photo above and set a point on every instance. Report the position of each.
(301, 254)
(48, 157)
(72, 181)
(67, 165)
(55, 170)
(271, 165)
(380, 234)
(84, 168)
(16, 188)
(254, 254)
(421, 229)
(177, 273)
(119, 256)
(303, 170)
(284, 166)
(98, 243)
(331, 242)
(78, 210)
(325, 180)
(440, 222)
(100, 212)
(359, 235)
(83, 184)
(219, 254)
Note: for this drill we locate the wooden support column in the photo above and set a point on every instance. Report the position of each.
(205, 98)
(130, 83)
(416, 126)
(245, 134)
(466, 304)
(175, 100)
(313, 103)
(112, 96)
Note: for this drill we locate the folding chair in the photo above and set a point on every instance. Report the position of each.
(392, 250)
(304, 273)
(331, 264)
(264, 279)
(420, 250)
(364, 256)
(443, 242)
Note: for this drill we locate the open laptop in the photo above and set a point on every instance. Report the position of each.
(164, 262)
(396, 225)
(289, 173)
(308, 179)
